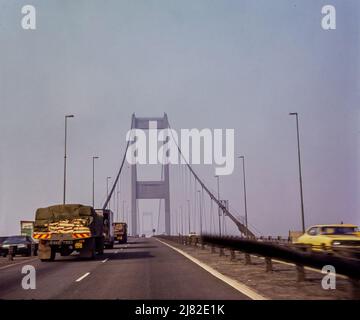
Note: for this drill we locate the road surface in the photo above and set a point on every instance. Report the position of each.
(143, 269)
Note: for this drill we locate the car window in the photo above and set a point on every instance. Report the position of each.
(313, 231)
(2, 239)
(11, 240)
(338, 230)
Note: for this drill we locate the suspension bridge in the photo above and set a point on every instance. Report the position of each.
(199, 209)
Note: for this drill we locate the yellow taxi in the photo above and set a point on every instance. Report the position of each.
(328, 236)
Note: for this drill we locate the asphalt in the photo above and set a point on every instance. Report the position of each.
(142, 269)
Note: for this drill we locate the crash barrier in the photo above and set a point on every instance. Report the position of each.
(300, 256)
(346, 266)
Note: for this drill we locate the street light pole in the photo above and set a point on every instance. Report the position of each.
(188, 201)
(200, 213)
(177, 222)
(65, 155)
(117, 200)
(117, 205)
(93, 180)
(123, 215)
(107, 190)
(300, 174)
(245, 200)
(218, 191)
(182, 220)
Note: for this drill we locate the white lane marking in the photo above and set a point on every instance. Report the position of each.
(231, 282)
(82, 277)
(16, 264)
(105, 260)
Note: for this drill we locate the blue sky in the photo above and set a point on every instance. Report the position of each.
(207, 64)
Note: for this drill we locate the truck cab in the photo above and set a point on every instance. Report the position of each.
(120, 232)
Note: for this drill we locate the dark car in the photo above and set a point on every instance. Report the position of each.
(22, 245)
(2, 239)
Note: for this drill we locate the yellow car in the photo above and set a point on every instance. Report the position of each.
(331, 236)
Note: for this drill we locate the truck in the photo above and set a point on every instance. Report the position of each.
(120, 232)
(108, 228)
(67, 228)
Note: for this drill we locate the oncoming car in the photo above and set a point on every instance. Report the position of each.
(22, 245)
(330, 236)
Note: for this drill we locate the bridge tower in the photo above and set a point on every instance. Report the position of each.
(159, 189)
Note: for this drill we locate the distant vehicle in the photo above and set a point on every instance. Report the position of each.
(325, 237)
(193, 235)
(21, 244)
(68, 228)
(108, 228)
(120, 232)
(27, 228)
(143, 235)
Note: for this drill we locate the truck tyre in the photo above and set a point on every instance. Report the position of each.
(89, 249)
(100, 245)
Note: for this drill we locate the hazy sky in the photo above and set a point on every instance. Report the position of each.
(241, 64)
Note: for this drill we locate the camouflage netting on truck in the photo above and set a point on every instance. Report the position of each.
(64, 218)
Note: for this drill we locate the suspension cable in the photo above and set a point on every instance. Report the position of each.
(118, 175)
(242, 228)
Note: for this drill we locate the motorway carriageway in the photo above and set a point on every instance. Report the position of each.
(145, 268)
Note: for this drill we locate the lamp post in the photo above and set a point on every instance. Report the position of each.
(300, 174)
(182, 220)
(218, 191)
(123, 215)
(65, 155)
(107, 190)
(188, 201)
(245, 200)
(93, 180)
(117, 200)
(200, 212)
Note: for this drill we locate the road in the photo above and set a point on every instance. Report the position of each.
(142, 269)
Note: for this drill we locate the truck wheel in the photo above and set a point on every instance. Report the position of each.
(100, 246)
(89, 249)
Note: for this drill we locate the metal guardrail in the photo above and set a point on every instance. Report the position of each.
(300, 256)
(346, 266)
(341, 250)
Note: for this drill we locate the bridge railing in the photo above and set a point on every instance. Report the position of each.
(301, 256)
